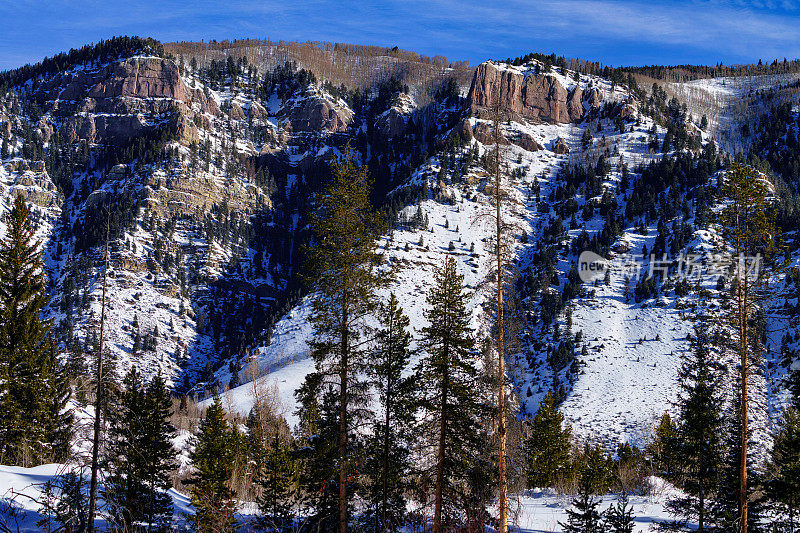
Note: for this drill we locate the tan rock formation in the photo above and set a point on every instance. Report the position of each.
(535, 97)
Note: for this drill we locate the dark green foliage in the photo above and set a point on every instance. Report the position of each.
(451, 397)
(698, 441)
(783, 470)
(661, 451)
(389, 448)
(276, 478)
(139, 455)
(103, 51)
(214, 462)
(547, 446)
(596, 468)
(343, 264)
(619, 517)
(32, 393)
(728, 513)
(64, 503)
(318, 451)
(583, 516)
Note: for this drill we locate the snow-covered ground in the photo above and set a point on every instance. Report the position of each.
(22, 491)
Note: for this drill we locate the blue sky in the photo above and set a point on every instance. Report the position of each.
(611, 31)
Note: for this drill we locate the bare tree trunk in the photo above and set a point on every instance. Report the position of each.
(501, 360)
(385, 487)
(438, 499)
(343, 425)
(743, 301)
(98, 402)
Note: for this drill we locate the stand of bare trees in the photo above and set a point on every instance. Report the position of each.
(354, 66)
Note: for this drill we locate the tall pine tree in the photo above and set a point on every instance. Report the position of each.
(318, 452)
(276, 477)
(547, 446)
(451, 393)
(748, 228)
(343, 263)
(699, 437)
(32, 394)
(390, 444)
(784, 468)
(140, 456)
(214, 462)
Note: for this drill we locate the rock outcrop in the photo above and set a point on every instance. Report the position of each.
(102, 128)
(535, 97)
(392, 123)
(30, 180)
(594, 98)
(575, 104)
(560, 146)
(484, 133)
(316, 113)
(112, 104)
(527, 142)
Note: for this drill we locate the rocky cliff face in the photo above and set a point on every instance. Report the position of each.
(524, 94)
(316, 112)
(120, 101)
(206, 183)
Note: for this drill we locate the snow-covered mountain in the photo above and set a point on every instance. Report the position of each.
(206, 168)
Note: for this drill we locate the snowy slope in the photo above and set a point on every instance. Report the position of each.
(616, 396)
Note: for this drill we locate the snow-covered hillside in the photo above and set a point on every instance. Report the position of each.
(624, 384)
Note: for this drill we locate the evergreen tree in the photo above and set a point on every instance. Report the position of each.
(698, 440)
(748, 228)
(64, 504)
(619, 517)
(661, 451)
(140, 456)
(583, 516)
(389, 447)
(451, 392)
(343, 264)
(728, 506)
(214, 462)
(317, 452)
(32, 395)
(784, 467)
(277, 481)
(547, 446)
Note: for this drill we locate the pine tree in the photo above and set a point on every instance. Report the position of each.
(214, 462)
(583, 516)
(547, 446)
(32, 395)
(64, 504)
(277, 481)
(139, 455)
(728, 505)
(343, 264)
(389, 447)
(619, 517)
(451, 388)
(698, 440)
(318, 451)
(748, 228)
(661, 451)
(784, 467)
